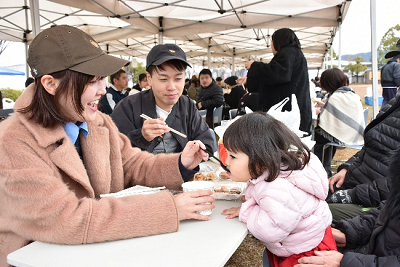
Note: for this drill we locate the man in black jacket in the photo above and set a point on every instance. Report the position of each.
(166, 65)
(372, 239)
(390, 75)
(209, 95)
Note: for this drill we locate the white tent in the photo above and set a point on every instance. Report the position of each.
(211, 32)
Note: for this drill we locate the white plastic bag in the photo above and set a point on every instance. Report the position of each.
(290, 118)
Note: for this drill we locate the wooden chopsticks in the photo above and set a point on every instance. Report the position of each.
(172, 130)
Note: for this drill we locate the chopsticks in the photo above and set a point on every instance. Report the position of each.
(172, 130)
(220, 162)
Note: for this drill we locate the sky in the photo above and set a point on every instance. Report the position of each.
(355, 35)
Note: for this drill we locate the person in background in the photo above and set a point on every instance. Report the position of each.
(140, 85)
(59, 155)
(165, 104)
(285, 204)
(1, 100)
(340, 117)
(237, 92)
(29, 81)
(186, 87)
(209, 96)
(286, 74)
(220, 82)
(390, 75)
(194, 85)
(115, 93)
(371, 239)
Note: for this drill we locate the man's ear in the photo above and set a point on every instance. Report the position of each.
(50, 84)
(148, 77)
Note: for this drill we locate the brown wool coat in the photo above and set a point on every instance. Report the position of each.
(48, 195)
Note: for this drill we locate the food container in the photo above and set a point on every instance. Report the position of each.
(229, 190)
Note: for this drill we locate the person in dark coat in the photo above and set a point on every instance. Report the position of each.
(237, 92)
(371, 239)
(165, 104)
(363, 178)
(286, 74)
(209, 95)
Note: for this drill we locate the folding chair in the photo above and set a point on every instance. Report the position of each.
(217, 116)
(232, 113)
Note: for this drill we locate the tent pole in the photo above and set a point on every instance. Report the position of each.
(340, 46)
(209, 53)
(34, 7)
(374, 59)
(233, 61)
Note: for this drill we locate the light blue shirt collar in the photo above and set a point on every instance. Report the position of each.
(72, 130)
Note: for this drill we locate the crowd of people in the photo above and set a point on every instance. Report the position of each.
(71, 139)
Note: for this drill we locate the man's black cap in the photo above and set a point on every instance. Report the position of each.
(164, 52)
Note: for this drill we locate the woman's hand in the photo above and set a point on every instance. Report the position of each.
(247, 65)
(241, 80)
(189, 202)
(232, 212)
(193, 153)
(322, 258)
(153, 128)
(337, 179)
(340, 238)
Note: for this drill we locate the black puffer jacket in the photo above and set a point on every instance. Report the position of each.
(210, 97)
(372, 242)
(286, 74)
(367, 169)
(374, 237)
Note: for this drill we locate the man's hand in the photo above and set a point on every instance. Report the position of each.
(340, 238)
(321, 258)
(193, 153)
(337, 179)
(153, 128)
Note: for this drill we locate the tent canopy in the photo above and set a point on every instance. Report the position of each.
(7, 71)
(221, 29)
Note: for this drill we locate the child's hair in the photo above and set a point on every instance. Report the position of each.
(268, 143)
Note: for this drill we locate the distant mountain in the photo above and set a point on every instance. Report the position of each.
(366, 56)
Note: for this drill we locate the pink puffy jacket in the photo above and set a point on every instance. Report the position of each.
(289, 215)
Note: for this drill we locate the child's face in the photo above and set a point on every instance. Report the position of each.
(238, 164)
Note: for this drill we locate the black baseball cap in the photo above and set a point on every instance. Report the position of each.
(394, 52)
(65, 47)
(164, 52)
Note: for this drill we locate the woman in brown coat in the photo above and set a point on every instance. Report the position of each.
(50, 187)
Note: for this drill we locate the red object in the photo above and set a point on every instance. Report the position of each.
(222, 154)
(328, 243)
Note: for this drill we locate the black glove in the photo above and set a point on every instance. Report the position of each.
(341, 196)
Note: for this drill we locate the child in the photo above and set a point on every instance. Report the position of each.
(285, 204)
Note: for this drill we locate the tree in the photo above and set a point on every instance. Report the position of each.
(357, 67)
(11, 93)
(137, 71)
(388, 43)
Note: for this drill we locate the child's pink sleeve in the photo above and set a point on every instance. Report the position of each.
(246, 209)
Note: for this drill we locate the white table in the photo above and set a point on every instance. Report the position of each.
(197, 243)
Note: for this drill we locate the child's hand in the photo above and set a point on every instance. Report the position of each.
(232, 212)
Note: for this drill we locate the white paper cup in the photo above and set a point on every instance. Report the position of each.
(196, 186)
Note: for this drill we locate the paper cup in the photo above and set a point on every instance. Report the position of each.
(196, 186)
